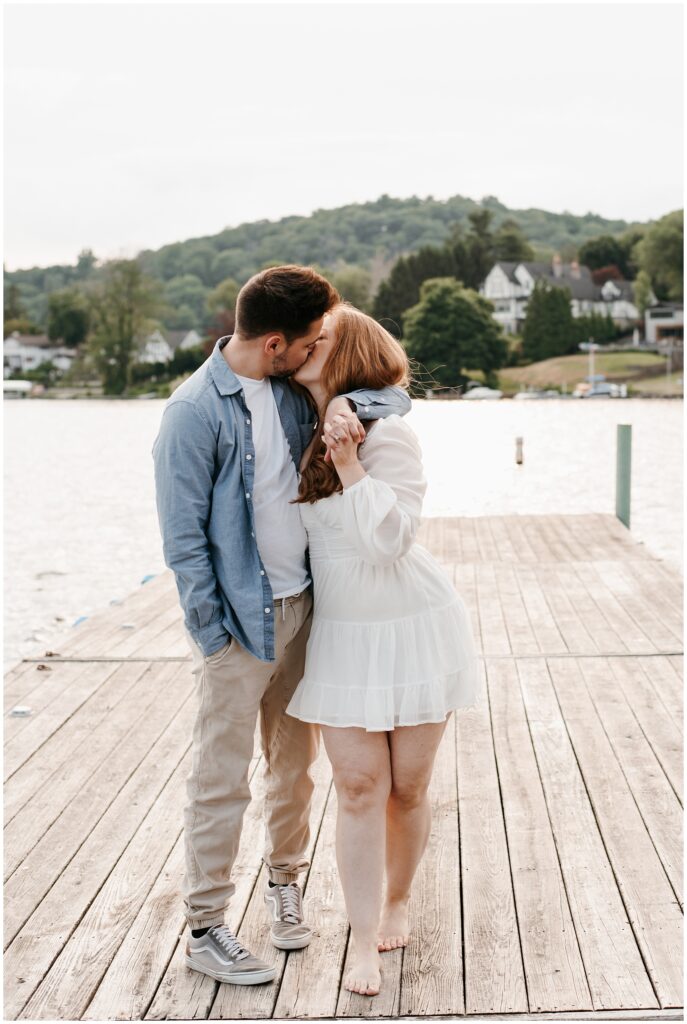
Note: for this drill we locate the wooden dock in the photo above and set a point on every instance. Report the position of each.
(552, 886)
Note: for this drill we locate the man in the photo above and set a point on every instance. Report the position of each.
(226, 460)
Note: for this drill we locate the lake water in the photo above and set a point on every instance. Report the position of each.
(81, 527)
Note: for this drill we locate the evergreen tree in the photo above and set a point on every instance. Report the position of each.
(480, 248)
(510, 243)
(401, 290)
(451, 329)
(549, 329)
(68, 317)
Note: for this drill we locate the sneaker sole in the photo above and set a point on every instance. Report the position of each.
(300, 943)
(254, 978)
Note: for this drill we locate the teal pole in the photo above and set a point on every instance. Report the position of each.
(623, 473)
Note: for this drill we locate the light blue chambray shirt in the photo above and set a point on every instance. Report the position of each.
(204, 471)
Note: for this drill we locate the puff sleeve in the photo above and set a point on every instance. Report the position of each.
(381, 512)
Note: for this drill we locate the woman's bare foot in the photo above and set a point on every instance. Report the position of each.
(394, 930)
(364, 975)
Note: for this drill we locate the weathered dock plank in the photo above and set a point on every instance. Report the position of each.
(552, 883)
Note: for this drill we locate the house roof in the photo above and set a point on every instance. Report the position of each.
(34, 340)
(508, 269)
(175, 338)
(625, 288)
(580, 283)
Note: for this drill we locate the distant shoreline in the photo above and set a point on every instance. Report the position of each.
(57, 395)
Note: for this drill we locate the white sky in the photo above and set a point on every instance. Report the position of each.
(127, 127)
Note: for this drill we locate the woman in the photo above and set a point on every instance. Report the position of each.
(390, 653)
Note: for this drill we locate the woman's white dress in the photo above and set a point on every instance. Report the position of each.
(391, 642)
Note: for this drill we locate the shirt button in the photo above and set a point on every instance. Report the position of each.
(267, 611)
(262, 572)
(248, 422)
(367, 408)
(248, 494)
(249, 457)
(252, 534)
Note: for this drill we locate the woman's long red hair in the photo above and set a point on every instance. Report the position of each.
(363, 356)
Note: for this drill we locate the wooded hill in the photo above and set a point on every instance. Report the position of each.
(367, 235)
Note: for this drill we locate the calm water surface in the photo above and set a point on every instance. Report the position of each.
(81, 527)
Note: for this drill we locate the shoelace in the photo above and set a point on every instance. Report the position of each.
(229, 943)
(291, 901)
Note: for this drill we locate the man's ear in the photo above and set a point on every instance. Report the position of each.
(275, 344)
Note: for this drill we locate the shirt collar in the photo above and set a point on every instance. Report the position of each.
(226, 381)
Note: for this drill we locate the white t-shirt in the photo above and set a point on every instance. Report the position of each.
(281, 536)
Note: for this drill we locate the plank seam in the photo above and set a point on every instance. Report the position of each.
(85, 838)
(627, 781)
(641, 729)
(505, 835)
(163, 973)
(481, 657)
(460, 873)
(553, 835)
(602, 838)
(105, 880)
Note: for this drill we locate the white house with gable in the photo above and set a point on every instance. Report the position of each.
(159, 347)
(23, 352)
(509, 285)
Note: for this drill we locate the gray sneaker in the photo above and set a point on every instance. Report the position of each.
(285, 904)
(221, 955)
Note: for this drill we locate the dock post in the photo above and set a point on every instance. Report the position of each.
(623, 473)
(518, 451)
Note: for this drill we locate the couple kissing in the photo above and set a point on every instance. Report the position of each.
(289, 491)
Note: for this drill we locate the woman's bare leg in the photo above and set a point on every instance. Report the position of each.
(408, 822)
(362, 777)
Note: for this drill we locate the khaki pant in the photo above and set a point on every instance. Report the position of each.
(232, 687)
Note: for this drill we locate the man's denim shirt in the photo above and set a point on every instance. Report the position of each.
(204, 472)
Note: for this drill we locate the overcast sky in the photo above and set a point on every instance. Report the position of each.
(128, 127)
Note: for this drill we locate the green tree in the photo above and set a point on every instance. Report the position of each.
(121, 311)
(451, 329)
(603, 251)
(68, 317)
(642, 291)
(549, 329)
(85, 263)
(660, 255)
(354, 284)
(480, 247)
(13, 308)
(221, 307)
(598, 326)
(629, 240)
(510, 243)
(222, 299)
(186, 290)
(401, 290)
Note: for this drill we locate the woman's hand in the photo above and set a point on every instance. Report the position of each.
(340, 414)
(342, 440)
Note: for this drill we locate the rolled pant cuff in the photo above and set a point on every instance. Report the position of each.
(282, 877)
(205, 922)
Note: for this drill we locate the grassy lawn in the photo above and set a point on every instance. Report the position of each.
(629, 367)
(668, 386)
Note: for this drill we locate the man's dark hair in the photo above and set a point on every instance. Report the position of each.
(286, 299)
